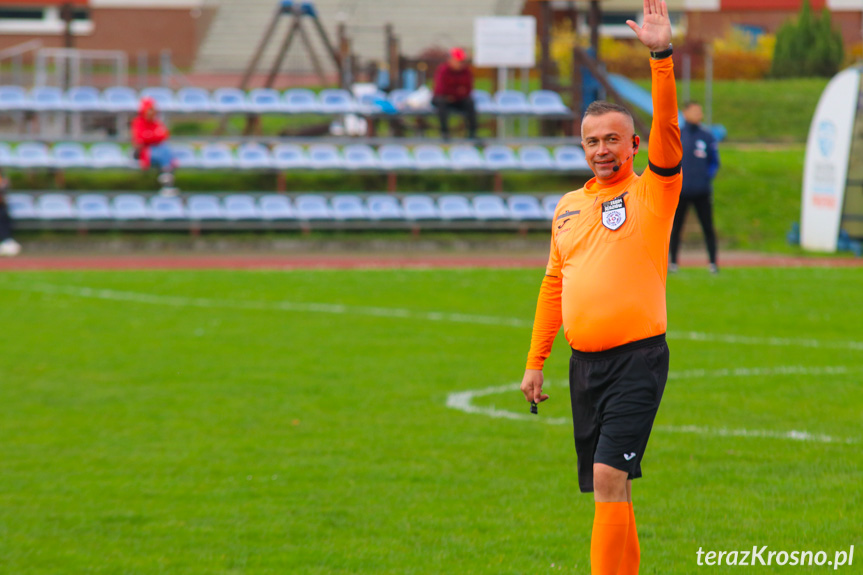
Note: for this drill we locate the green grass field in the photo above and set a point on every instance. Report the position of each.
(297, 423)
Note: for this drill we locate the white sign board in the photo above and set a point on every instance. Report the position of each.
(504, 42)
(826, 167)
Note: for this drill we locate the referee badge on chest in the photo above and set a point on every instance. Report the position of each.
(614, 212)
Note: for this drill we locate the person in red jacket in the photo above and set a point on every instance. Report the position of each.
(149, 136)
(453, 84)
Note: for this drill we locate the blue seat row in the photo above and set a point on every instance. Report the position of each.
(279, 207)
(254, 156)
(121, 99)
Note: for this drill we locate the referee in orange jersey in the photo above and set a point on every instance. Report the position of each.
(605, 282)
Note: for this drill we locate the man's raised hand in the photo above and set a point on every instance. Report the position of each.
(655, 31)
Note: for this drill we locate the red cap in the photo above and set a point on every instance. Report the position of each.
(457, 54)
(146, 104)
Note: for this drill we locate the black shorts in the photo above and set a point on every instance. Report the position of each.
(615, 396)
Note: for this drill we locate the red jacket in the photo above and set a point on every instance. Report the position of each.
(147, 133)
(453, 84)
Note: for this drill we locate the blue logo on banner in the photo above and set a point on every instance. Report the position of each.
(826, 137)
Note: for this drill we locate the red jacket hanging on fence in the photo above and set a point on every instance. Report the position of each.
(147, 131)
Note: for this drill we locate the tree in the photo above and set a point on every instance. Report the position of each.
(809, 46)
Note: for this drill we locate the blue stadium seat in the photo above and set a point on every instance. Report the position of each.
(164, 98)
(483, 102)
(398, 98)
(13, 98)
(349, 207)
(511, 102)
(93, 207)
(266, 101)
(463, 157)
(204, 207)
(83, 99)
(275, 207)
(193, 101)
(383, 207)
(336, 101)
(360, 157)
(549, 203)
(395, 157)
(289, 157)
(70, 155)
(547, 103)
(313, 207)
(216, 157)
(31, 155)
(431, 157)
(524, 208)
(108, 155)
(21, 206)
(535, 158)
(301, 101)
(419, 207)
(5, 154)
(324, 157)
(120, 99)
(254, 157)
(127, 207)
(374, 103)
(167, 208)
(241, 207)
(55, 207)
(454, 207)
(229, 101)
(500, 158)
(570, 158)
(488, 207)
(185, 155)
(46, 99)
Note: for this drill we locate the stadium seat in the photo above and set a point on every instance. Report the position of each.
(229, 101)
(289, 157)
(108, 155)
(93, 207)
(374, 103)
(300, 101)
(398, 100)
(70, 155)
(276, 207)
(241, 207)
(13, 99)
(500, 158)
(313, 207)
(30, 155)
(535, 158)
(5, 154)
(549, 203)
(163, 97)
(83, 99)
(360, 157)
(185, 156)
(570, 158)
(216, 157)
(167, 208)
(21, 206)
(204, 207)
(431, 157)
(383, 207)
(488, 207)
(254, 157)
(126, 207)
(511, 102)
(419, 207)
(395, 157)
(349, 207)
(547, 103)
(483, 102)
(463, 157)
(523, 207)
(454, 207)
(55, 207)
(324, 157)
(336, 101)
(266, 101)
(46, 99)
(193, 101)
(120, 99)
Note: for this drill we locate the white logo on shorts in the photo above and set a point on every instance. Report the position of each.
(628, 456)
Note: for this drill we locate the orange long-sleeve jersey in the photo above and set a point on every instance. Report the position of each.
(607, 266)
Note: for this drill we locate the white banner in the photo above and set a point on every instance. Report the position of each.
(826, 167)
(504, 42)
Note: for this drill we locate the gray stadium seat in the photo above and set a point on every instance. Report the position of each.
(276, 207)
(336, 101)
(549, 203)
(254, 157)
(349, 207)
(289, 157)
(204, 207)
(120, 99)
(93, 207)
(313, 207)
(463, 157)
(488, 207)
(241, 207)
(229, 101)
(360, 157)
(324, 157)
(525, 208)
(126, 207)
(511, 102)
(500, 158)
(395, 157)
(21, 206)
(167, 208)
(55, 207)
(193, 101)
(216, 157)
(300, 101)
(419, 207)
(70, 155)
(266, 101)
(483, 102)
(46, 99)
(13, 99)
(31, 155)
(184, 155)
(454, 207)
(570, 158)
(547, 103)
(83, 99)
(109, 155)
(535, 158)
(431, 157)
(383, 207)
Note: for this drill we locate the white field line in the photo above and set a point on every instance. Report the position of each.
(387, 312)
(463, 401)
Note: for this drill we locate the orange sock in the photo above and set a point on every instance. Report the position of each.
(607, 543)
(632, 551)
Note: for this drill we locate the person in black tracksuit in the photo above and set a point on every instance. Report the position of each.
(700, 164)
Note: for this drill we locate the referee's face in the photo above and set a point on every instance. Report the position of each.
(608, 142)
